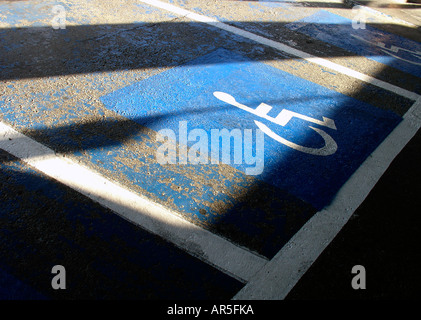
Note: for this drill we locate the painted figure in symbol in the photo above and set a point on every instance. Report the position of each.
(330, 146)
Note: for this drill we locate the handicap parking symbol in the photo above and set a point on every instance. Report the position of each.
(315, 138)
(282, 119)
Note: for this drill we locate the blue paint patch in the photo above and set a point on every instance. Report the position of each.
(277, 4)
(186, 93)
(375, 44)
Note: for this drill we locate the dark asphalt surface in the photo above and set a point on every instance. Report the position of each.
(44, 223)
(382, 235)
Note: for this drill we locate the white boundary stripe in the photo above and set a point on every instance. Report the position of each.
(282, 47)
(217, 251)
(280, 275)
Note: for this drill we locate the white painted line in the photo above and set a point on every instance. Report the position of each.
(217, 251)
(282, 47)
(279, 276)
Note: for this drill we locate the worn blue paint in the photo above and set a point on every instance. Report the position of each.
(339, 31)
(300, 182)
(185, 93)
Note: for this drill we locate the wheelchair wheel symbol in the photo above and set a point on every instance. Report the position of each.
(330, 146)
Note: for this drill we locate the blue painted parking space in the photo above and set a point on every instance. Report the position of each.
(69, 117)
(375, 44)
(315, 138)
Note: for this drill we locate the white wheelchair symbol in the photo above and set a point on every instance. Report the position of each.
(282, 119)
(394, 51)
